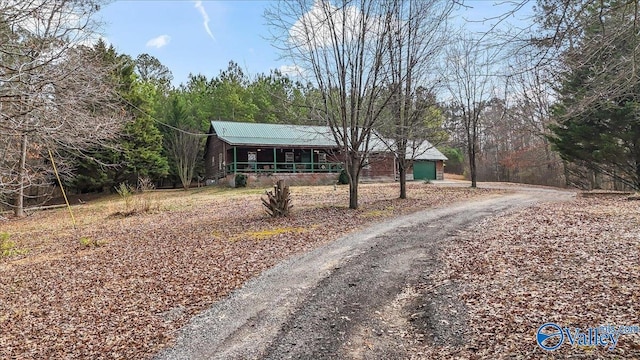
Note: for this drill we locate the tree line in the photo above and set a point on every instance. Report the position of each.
(556, 104)
(164, 141)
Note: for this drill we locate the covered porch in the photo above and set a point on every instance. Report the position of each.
(248, 159)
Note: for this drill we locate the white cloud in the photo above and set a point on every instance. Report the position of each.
(205, 19)
(317, 27)
(159, 41)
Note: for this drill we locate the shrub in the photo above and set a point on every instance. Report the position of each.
(455, 164)
(145, 184)
(126, 193)
(278, 202)
(241, 180)
(343, 178)
(140, 203)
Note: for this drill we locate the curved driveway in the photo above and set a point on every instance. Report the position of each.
(324, 304)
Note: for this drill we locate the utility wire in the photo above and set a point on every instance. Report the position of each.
(163, 123)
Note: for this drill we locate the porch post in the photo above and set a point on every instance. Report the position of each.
(312, 160)
(275, 163)
(235, 160)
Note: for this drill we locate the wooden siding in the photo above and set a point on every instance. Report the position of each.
(214, 168)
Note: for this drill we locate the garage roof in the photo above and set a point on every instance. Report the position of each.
(422, 150)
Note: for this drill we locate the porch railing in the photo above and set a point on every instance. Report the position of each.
(280, 167)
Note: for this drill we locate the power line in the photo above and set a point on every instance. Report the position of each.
(163, 123)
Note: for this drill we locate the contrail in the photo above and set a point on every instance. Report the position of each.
(205, 17)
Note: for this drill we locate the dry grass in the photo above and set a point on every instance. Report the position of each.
(148, 273)
(575, 264)
(448, 176)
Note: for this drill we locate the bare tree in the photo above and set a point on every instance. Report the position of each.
(416, 35)
(54, 93)
(470, 81)
(184, 147)
(342, 49)
(529, 116)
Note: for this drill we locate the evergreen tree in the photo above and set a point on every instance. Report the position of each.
(138, 151)
(598, 110)
(231, 97)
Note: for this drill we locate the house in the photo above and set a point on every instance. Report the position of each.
(277, 149)
(238, 147)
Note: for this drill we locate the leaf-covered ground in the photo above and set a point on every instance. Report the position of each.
(124, 299)
(576, 264)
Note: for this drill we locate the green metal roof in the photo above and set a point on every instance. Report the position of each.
(421, 150)
(242, 133)
(257, 134)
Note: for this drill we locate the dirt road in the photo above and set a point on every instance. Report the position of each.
(345, 300)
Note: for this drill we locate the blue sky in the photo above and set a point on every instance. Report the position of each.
(236, 32)
(176, 34)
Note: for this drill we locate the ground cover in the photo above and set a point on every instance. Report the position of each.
(575, 264)
(119, 286)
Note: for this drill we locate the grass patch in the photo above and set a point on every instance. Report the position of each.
(88, 242)
(378, 212)
(134, 204)
(268, 233)
(8, 247)
(373, 213)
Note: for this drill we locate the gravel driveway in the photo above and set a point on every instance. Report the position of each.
(356, 298)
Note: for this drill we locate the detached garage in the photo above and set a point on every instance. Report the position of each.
(424, 170)
(429, 165)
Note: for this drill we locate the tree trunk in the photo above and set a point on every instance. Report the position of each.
(19, 207)
(185, 173)
(472, 163)
(402, 173)
(565, 169)
(636, 181)
(472, 169)
(353, 185)
(353, 195)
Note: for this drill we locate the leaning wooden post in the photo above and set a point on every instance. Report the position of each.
(19, 210)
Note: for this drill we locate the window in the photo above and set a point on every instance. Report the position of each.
(322, 157)
(220, 161)
(252, 156)
(288, 156)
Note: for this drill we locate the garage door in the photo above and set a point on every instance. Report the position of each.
(424, 170)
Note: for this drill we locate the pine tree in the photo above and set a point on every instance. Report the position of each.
(598, 110)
